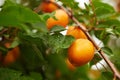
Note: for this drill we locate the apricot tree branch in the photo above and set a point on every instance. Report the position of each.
(109, 63)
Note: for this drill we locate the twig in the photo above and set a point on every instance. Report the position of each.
(4, 30)
(94, 13)
(114, 77)
(109, 63)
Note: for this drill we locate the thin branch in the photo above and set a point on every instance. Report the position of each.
(114, 78)
(94, 13)
(2, 31)
(109, 63)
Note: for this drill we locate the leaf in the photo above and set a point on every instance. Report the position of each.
(67, 41)
(26, 78)
(109, 23)
(45, 16)
(15, 43)
(102, 35)
(117, 31)
(32, 56)
(36, 76)
(33, 48)
(57, 61)
(116, 58)
(107, 50)
(59, 41)
(13, 15)
(95, 59)
(57, 29)
(9, 74)
(106, 76)
(71, 3)
(81, 73)
(40, 27)
(103, 10)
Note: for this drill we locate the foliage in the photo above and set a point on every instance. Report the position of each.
(44, 51)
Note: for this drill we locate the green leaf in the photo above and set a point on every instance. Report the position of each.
(81, 73)
(106, 76)
(107, 50)
(71, 3)
(36, 76)
(9, 74)
(58, 62)
(13, 15)
(15, 43)
(116, 57)
(40, 27)
(103, 10)
(32, 56)
(26, 78)
(109, 23)
(45, 16)
(117, 31)
(57, 29)
(59, 41)
(95, 59)
(67, 41)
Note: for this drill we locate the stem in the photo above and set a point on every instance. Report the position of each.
(94, 13)
(109, 63)
(2, 31)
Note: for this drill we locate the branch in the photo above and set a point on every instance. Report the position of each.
(109, 63)
(94, 13)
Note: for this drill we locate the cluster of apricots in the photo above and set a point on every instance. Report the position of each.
(11, 55)
(81, 50)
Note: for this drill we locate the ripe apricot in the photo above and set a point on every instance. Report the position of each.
(76, 32)
(62, 19)
(70, 66)
(48, 7)
(11, 55)
(80, 52)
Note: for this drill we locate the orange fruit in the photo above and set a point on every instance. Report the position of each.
(48, 7)
(70, 66)
(62, 19)
(80, 52)
(11, 55)
(76, 32)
